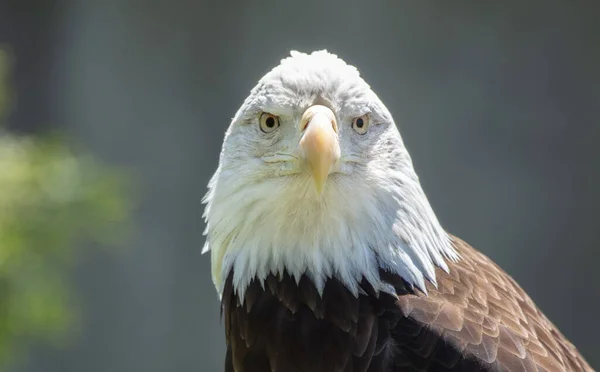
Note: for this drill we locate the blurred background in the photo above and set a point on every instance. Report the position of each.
(112, 116)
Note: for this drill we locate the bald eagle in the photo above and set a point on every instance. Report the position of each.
(328, 257)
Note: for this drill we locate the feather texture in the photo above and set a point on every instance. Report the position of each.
(478, 319)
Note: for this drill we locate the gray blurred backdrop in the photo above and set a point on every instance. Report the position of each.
(499, 105)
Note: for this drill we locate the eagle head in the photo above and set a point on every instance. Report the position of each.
(314, 179)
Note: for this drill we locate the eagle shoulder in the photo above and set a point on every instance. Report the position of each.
(479, 318)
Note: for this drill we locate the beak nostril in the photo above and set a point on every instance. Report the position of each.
(305, 125)
(317, 111)
(333, 126)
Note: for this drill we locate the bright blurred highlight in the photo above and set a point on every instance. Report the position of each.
(50, 201)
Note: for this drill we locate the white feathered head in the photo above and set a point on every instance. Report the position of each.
(314, 179)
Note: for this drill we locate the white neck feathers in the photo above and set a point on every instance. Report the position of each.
(256, 229)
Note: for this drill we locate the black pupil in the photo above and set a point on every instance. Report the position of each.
(270, 122)
(360, 122)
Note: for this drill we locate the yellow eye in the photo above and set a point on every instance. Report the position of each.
(360, 124)
(268, 122)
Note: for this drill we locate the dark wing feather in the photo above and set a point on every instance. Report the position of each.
(478, 318)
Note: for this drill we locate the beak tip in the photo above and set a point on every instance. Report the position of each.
(319, 187)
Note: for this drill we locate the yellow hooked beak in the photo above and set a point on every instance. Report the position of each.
(319, 145)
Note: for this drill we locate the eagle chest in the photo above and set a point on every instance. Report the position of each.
(288, 327)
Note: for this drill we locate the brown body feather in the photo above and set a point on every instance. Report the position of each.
(477, 319)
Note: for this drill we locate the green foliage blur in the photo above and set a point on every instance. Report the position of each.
(52, 201)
